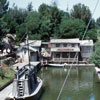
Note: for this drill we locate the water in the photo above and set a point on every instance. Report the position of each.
(82, 84)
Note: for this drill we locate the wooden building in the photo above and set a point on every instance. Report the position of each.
(34, 51)
(65, 50)
(86, 47)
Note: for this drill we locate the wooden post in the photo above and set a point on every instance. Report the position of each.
(68, 57)
(60, 57)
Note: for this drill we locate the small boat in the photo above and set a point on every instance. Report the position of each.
(58, 65)
(98, 71)
(26, 85)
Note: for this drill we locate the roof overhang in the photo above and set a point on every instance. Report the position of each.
(65, 49)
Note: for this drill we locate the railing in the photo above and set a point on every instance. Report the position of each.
(64, 59)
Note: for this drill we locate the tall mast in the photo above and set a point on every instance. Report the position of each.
(28, 49)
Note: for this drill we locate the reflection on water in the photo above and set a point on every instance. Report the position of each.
(82, 84)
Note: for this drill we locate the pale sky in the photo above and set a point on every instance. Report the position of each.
(62, 4)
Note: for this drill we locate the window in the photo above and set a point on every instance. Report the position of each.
(72, 55)
(57, 55)
(65, 55)
(73, 45)
(57, 45)
(69, 45)
(65, 45)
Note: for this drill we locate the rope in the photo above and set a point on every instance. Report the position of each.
(76, 53)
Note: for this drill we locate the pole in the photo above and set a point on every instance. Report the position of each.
(28, 49)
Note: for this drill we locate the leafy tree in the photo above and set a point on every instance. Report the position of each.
(20, 31)
(54, 3)
(82, 12)
(44, 10)
(98, 21)
(51, 19)
(92, 34)
(3, 7)
(71, 28)
(3, 28)
(11, 23)
(30, 25)
(33, 22)
(48, 22)
(18, 14)
(30, 7)
(95, 58)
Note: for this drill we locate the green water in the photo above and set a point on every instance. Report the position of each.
(82, 84)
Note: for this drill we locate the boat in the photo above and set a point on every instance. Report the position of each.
(26, 85)
(58, 65)
(98, 71)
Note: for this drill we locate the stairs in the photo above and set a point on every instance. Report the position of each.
(20, 88)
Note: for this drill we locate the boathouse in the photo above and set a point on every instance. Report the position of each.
(64, 50)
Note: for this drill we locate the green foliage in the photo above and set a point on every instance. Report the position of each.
(11, 23)
(32, 22)
(98, 22)
(18, 14)
(2, 73)
(82, 12)
(30, 7)
(3, 28)
(95, 58)
(3, 25)
(8, 75)
(48, 22)
(71, 28)
(91, 34)
(20, 31)
(3, 7)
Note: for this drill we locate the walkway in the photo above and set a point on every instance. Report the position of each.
(5, 92)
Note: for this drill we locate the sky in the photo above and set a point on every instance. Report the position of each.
(62, 4)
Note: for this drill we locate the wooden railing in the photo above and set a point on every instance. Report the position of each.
(65, 59)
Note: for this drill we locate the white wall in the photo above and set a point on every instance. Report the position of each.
(24, 55)
(86, 51)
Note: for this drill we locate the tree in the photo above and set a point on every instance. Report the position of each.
(11, 23)
(30, 7)
(50, 21)
(95, 58)
(92, 34)
(71, 28)
(3, 7)
(82, 12)
(54, 3)
(3, 28)
(18, 14)
(20, 31)
(32, 22)
(98, 22)
(30, 25)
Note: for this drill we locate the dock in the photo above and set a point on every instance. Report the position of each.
(74, 65)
